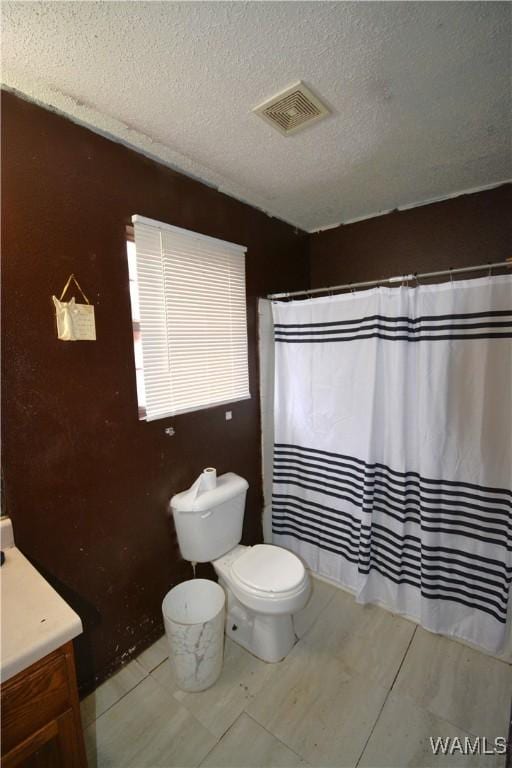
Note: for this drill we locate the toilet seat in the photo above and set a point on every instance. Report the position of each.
(268, 571)
(276, 598)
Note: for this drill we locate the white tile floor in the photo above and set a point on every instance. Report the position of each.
(361, 688)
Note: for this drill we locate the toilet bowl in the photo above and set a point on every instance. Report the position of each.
(264, 584)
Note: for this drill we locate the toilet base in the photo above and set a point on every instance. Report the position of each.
(269, 637)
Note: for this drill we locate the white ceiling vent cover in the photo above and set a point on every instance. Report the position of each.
(292, 109)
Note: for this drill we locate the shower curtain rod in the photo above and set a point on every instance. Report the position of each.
(397, 279)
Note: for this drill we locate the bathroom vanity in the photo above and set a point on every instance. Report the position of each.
(39, 700)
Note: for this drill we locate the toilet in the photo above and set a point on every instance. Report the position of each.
(264, 584)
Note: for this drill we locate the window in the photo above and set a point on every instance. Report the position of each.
(189, 318)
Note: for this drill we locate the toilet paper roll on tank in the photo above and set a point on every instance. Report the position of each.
(207, 481)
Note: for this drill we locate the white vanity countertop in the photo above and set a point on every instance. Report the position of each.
(35, 619)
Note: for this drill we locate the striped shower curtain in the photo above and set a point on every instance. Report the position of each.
(393, 449)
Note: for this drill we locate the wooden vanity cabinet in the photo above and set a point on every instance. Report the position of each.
(41, 726)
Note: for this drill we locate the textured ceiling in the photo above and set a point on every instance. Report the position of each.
(420, 93)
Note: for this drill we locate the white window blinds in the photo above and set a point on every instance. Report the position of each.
(193, 326)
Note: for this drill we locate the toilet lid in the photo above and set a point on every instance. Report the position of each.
(269, 569)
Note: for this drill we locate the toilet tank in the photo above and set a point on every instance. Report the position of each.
(209, 524)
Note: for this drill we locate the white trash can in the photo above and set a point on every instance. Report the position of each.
(194, 624)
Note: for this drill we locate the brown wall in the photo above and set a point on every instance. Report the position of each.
(473, 229)
(86, 483)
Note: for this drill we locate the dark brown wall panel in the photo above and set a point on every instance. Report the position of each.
(464, 231)
(86, 483)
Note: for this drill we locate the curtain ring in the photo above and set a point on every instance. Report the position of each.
(489, 274)
(450, 269)
(416, 278)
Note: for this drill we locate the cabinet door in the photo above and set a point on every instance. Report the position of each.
(34, 699)
(53, 746)
(41, 725)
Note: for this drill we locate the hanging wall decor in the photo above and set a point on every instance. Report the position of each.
(75, 322)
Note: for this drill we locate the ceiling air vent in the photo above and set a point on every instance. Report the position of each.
(292, 109)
